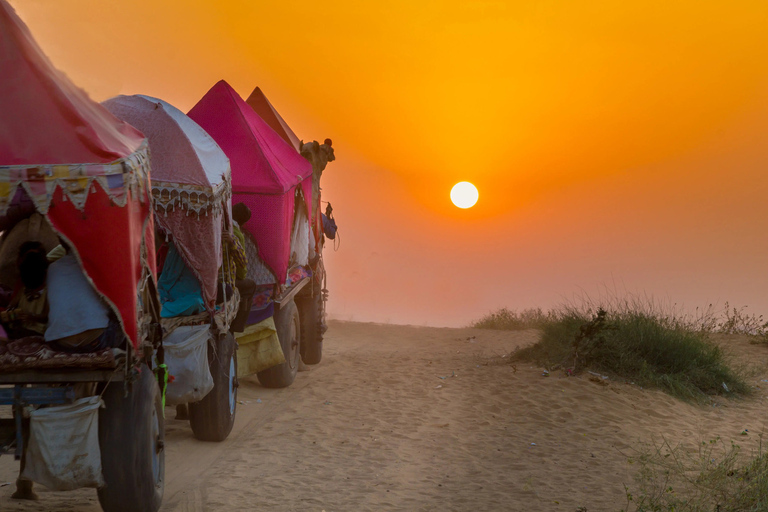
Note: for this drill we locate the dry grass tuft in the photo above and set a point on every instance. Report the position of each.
(716, 477)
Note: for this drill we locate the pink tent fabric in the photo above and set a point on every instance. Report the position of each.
(259, 102)
(190, 183)
(267, 172)
(86, 171)
(262, 106)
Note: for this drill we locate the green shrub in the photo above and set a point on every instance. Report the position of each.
(634, 341)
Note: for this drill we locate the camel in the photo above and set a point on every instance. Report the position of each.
(318, 155)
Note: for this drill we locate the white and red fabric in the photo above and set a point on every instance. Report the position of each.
(191, 182)
(85, 170)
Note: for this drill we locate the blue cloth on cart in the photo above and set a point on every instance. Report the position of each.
(179, 289)
(75, 307)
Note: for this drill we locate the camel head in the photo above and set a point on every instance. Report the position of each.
(318, 154)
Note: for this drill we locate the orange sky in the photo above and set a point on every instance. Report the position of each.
(614, 145)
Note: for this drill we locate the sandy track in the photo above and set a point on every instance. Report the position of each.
(374, 427)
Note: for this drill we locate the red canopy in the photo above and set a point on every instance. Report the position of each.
(267, 172)
(86, 171)
(46, 119)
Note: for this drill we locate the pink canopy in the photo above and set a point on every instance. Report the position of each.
(267, 172)
(259, 102)
(86, 171)
(190, 182)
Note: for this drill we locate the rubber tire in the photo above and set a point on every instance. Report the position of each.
(311, 313)
(212, 417)
(288, 329)
(130, 428)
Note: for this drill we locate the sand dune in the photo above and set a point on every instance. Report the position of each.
(375, 427)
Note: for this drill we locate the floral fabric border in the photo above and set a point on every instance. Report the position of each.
(118, 178)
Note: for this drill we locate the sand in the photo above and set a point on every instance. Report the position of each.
(418, 419)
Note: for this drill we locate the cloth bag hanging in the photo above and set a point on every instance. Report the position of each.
(63, 451)
(186, 355)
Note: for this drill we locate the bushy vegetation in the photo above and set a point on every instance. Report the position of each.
(717, 477)
(634, 340)
(509, 320)
(725, 320)
(642, 342)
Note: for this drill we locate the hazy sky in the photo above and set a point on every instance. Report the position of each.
(619, 145)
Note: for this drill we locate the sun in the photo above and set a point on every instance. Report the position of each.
(464, 194)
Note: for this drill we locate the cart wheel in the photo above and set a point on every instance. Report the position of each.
(131, 438)
(289, 332)
(311, 313)
(212, 417)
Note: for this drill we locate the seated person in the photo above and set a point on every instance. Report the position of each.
(180, 291)
(78, 319)
(27, 311)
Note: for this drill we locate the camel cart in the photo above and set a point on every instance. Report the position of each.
(71, 172)
(270, 176)
(192, 191)
(311, 301)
